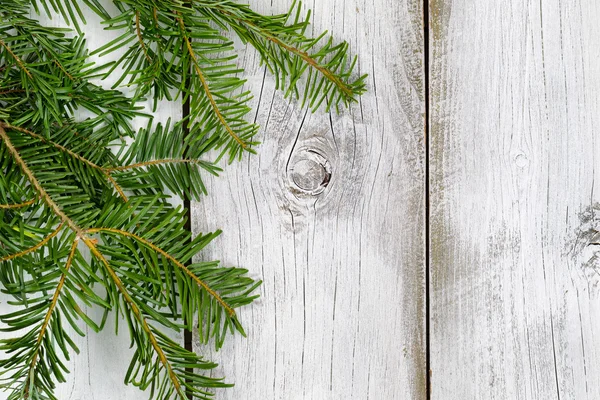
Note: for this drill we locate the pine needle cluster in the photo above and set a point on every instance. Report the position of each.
(85, 221)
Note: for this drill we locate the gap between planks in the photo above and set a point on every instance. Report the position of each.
(427, 200)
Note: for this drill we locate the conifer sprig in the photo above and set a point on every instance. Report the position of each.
(85, 221)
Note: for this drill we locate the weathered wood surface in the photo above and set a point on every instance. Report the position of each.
(330, 214)
(515, 309)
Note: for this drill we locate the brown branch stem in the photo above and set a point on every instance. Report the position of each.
(17, 205)
(294, 50)
(17, 59)
(134, 308)
(169, 257)
(209, 94)
(12, 91)
(84, 160)
(34, 247)
(48, 316)
(139, 36)
(155, 162)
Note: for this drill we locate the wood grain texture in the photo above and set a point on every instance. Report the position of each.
(330, 214)
(514, 278)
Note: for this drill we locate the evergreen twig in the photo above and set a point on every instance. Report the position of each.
(72, 183)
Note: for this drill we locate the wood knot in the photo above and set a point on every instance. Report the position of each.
(584, 246)
(310, 172)
(521, 160)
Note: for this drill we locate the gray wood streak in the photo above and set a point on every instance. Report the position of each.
(330, 214)
(514, 289)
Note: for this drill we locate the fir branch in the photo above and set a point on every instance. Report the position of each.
(36, 184)
(157, 162)
(86, 183)
(289, 53)
(270, 36)
(103, 170)
(91, 243)
(164, 152)
(17, 205)
(207, 90)
(169, 257)
(140, 38)
(48, 316)
(134, 308)
(56, 145)
(17, 59)
(35, 247)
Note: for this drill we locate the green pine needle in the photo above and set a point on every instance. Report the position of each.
(83, 211)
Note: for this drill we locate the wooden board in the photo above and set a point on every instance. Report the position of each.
(515, 308)
(330, 214)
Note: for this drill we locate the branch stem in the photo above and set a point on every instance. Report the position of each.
(136, 311)
(48, 316)
(35, 247)
(105, 171)
(169, 257)
(138, 30)
(294, 50)
(17, 59)
(211, 99)
(17, 205)
(155, 162)
(12, 91)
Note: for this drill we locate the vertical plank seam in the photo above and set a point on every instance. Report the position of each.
(187, 207)
(427, 202)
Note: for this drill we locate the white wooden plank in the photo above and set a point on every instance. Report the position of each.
(342, 256)
(514, 115)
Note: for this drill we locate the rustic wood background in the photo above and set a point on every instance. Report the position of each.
(331, 215)
(515, 307)
(464, 262)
